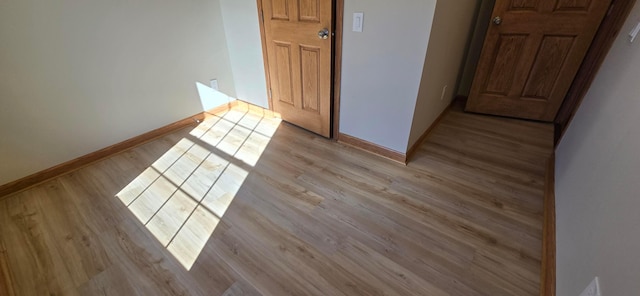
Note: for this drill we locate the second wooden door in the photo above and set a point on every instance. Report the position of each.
(532, 52)
(298, 38)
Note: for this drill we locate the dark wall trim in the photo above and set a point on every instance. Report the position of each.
(548, 269)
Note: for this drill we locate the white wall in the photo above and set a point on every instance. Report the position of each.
(245, 50)
(450, 34)
(598, 180)
(381, 69)
(77, 76)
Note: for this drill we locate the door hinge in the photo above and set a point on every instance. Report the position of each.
(269, 92)
(262, 14)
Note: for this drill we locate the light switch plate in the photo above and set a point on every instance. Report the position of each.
(214, 84)
(634, 33)
(593, 289)
(358, 21)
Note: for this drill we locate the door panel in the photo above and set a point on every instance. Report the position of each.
(530, 58)
(284, 72)
(546, 68)
(523, 4)
(310, 11)
(310, 78)
(508, 53)
(573, 5)
(299, 62)
(280, 10)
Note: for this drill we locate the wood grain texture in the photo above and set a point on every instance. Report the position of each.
(573, 5)
(529, 60)
(523, 4)
(282, 63)
(337, 66)
(373, 148)
(310, 76)
(602, 42)
(336, 63)
(280, 9)
(74, 164)
(308, 216)
(6, 280)
(300, 63)
(546, 68)
(309, 10)
(548, 274)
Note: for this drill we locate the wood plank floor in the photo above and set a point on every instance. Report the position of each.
(245, 205)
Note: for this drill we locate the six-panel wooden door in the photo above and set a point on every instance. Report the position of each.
(532, 52)
(298, 37)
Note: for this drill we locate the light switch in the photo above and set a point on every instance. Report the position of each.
(633, 33)
(358, 19)
(214, 84)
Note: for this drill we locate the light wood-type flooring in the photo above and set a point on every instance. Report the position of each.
(243, 204)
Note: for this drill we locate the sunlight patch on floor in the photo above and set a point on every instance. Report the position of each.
(184, 194)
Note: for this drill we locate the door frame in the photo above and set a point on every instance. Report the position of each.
(336, 63)
(610, 27)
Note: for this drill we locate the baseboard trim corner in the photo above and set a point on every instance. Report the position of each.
(414, 148)
(373, 148)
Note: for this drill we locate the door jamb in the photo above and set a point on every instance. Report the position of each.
(610, 27)
(338, 19)
(336, 67)
(264, 53)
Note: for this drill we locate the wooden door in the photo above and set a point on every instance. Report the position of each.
(532, 51)
(299, 61)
